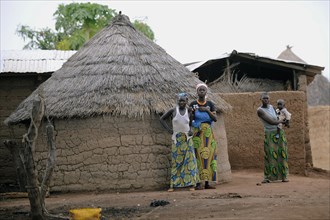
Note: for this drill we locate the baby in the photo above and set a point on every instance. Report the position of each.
(283, 115)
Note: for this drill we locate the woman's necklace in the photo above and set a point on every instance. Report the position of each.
(201, 103)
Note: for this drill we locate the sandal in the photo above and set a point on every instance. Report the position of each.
(209, 187)
(170, 190)
(198, 187)
(265, 181)
(192, 189)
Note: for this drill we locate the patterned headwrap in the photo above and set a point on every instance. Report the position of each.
(182, 94)
(201, 84)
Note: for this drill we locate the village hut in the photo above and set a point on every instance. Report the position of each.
(105, 104)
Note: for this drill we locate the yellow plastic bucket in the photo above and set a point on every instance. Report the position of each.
(85, 214)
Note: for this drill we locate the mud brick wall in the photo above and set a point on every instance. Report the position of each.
(319, 121)
(223, 164)
(107, 153)
(13, 90)
(245, 131)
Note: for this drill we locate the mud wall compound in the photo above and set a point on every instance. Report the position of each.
(245, 131)
(105, 153)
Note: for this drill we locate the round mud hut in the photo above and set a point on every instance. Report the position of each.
(105, 103)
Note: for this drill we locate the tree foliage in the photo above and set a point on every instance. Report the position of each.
(75, 24)
(44, 39)
(144, 28)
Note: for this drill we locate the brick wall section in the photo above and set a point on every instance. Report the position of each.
(223, 164)
(302, 86)
(107, 153)
(319, 120)
(13, 90)
(245, 131)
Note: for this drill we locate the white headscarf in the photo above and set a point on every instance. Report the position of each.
(201, 84)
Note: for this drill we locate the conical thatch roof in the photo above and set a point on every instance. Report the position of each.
(119, 71)
(287, 54)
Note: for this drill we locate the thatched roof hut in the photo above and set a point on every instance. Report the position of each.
(104, 103)
(119, 71)
(288, 54)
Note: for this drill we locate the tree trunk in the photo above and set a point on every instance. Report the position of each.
(36, 192)
(50, 163)
(29, 141)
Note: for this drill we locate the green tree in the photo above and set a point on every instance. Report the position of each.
(144, 28)
(75, 24)
(44, 39)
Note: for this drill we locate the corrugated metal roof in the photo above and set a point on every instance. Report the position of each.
(33, 61)
(195, 65)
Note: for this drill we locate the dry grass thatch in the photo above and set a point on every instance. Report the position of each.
(119, 71)
(287, 54)
(228, 82)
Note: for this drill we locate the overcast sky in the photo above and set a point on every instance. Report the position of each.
(198, 30)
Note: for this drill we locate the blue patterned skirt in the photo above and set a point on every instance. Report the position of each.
(184, 170)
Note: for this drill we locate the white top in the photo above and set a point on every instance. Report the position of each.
(270, 111)
(180, 123)
(283, 114)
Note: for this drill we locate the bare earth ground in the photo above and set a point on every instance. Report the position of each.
(243, 198)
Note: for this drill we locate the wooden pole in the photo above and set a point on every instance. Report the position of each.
(50, 163)
(29, 140)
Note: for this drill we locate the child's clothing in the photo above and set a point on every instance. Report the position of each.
(282, 115)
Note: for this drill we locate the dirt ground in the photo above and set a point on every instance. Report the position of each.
(304, 197)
